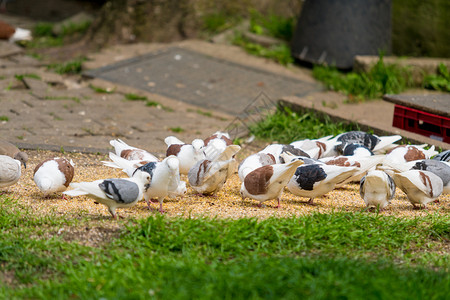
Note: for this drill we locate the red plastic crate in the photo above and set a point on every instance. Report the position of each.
(414, 120)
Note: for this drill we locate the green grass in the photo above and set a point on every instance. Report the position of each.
(101, 90)
(158, 105)
(70, 67)
(216, 22)
(28, 75)
(75, 99)
(272, 25)
(177, 129)
(134, 97)
(439, 81)
(280, 53)
(381, 79)
(4, 118)
(286, 126)
(319, 256)
(43, 35)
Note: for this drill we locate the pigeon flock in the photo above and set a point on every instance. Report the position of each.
(305, 168)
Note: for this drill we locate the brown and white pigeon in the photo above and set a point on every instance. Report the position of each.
(131, 153)
(14, 34)
(254, 162)
(9, 171)
(421, 187)
(267, 182)
(113, 193)
(187, 154)
(53, 175)
(6, 148)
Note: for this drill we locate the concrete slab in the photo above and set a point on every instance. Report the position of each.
(438, 104)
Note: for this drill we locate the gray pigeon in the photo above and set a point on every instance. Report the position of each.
(6, 148)
(113, 193)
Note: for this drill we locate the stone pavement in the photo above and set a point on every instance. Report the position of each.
(41, 109)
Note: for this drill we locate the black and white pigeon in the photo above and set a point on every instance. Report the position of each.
(421, 187)
(443, 156)
(113, 193)
(131, 153)
(440, 168)
(371, 141)
(358, 150)
(254, 162)
(164, 176)
(315, 180)
(10, 171)
(208, 176)
(11, 150)
(278, 149)
(377, 189)
(267, 182)
(187, 154)
(53, 175)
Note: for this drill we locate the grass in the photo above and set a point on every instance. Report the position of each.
(319, 256)
(286, 126)
(439, 81)
(75, 99)
(101, 90)
(216, 22)
(43, 35)
(4, 118)
(177, 129)
(134, 97)
(70, 67)
(381, 79)
(28, 75)
(272, 25)
(280, 53)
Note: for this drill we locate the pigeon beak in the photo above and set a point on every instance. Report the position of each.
(25, 164)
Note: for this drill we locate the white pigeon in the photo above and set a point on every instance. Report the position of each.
(315, 180)
(404, 153)
(131, 153)
(174, 186)
(170, 140)
(377, 189)
(219, 135)
(440, 168)
(188, 154)
(163, 176)
(207, 176)
(253, 162)
(323, 146)
(421, 187)
(6, 148)
(53, 175)
(363, 165)
(267, 182)
(278, 149)
(113, 193)
(10, 171)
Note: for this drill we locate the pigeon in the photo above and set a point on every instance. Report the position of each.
(163, 175)
(421, 187)
(355, 149)
(316, 180)
(363, 164)
(218, 135)
(439, 168)
(323, 145)
(131, 153)
(115, 192)
(53, 175)
(6, 148)
(188, 154)
(404, 153)
(170, 140)
(267, 182)
(377, 189)
(207, 176)
(253, 162)
(14, 34)
(371, 141)
(9, 171)
(174, 186)
(278, 149)
(443, 156)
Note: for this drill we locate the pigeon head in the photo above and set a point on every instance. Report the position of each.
(172, 163)
(22, 157)
(197, 144)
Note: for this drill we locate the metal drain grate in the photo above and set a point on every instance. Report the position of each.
(201, 80)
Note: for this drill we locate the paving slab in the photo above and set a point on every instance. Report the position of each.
(438, 104)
